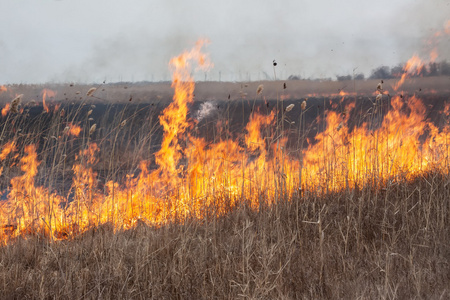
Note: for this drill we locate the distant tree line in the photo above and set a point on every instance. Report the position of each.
(384, 72)
(431, 69)
(359, 76)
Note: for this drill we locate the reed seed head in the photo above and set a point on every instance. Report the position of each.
(91, 91)
(92, 129)
(259, 89)
(380, 87)
(303, 106)
(15, 103)
(290, 107)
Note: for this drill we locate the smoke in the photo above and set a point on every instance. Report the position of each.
(206, 109)
(86, 41)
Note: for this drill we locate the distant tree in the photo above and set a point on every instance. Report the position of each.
(344, 77)
(294, 77)
(382, 72)
(433, 69)
(445, 68)
(397, 71)
(359, 76)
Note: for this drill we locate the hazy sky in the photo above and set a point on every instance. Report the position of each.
(94, 40)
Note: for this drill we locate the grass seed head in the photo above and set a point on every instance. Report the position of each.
(91, 91)
(259, 89)
(380, 87)
(92, 129)
(290, 107)
(303, 106)
(15, 104)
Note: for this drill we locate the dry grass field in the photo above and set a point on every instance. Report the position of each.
(206, 91)
(360, 244)
(263, 190)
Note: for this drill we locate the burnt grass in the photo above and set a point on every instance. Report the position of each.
(366, 243)
(224, 119)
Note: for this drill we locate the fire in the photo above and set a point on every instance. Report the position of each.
(413, 66)
(7, 149)
(367, 156)
(433, 55)
(5, 109)
(3, 88)
(47, 93)
(74, 130)
(191, 176)
(173, 119)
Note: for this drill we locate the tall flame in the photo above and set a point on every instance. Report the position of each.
(47, 93)
(5, 109)
(173, 119)
(413, 66)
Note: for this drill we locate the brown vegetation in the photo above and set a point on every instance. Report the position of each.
(210, 90)
(380, 233)
(363, 244)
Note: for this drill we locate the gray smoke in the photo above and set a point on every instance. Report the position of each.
(87, 41)
(206, 109)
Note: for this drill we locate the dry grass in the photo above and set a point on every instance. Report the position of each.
(367, 244)
(210, 90)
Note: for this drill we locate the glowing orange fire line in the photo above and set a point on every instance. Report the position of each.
(193, 175)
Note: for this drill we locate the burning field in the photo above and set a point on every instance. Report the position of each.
(325, 196)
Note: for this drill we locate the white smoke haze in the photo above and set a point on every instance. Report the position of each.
(205, 110)
(116, 40)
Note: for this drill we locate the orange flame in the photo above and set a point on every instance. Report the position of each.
(173, 119)
(74, 130)
(413, 66)
(6, 149)
(433, 55)
(47, 93)
(5, 109)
